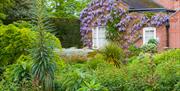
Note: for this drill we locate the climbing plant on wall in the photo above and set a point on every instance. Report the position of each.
(122, 24)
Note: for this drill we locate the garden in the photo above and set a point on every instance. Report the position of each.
(35, 53)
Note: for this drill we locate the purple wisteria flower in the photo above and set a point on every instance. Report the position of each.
(101, 12)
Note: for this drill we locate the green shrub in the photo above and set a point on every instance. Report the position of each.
(147, 74)
(8, 86)
(16, 46)
(14, 42)
(133, 51)
(93, 85)
(95, 62)
(151, 46)
(173, 55)
(140, 74)
(111, 77)
(168, 73)
(113, 54)
(17, 41)
(18, 74)
(71, 77)
(23, 24)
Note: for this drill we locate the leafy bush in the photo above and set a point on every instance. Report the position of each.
(151, 46)
(143, 73)
(14, 42)
(18, 74)
(173, 55)
(95, 62)
(133, 51)
(92, 86)
(153, 74)
(140, 76)
(110, 77)
(71, 77)
(168, 73)
(23, 24)
(113, 54)
(16, 46)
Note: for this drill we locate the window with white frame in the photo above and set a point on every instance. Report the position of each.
(99, 37)
(149, 33)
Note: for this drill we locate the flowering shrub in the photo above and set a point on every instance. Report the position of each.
(111, 14)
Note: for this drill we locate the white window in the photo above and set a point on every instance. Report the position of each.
(99, 37)
(149, 33)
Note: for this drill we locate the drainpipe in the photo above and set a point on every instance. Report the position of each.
(167, 33)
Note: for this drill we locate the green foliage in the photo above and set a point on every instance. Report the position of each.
(149, 14)
(169, 75)
(19, 74)
(71, 78)
(43, 54)
(112, 33)
(91, 86)
(8, 86)
(20, 70)
(151, 46)
(67, 30)
(95, 62)
(14, 42)
(172, 55)
(113, 54)
(23, 24)
(140, 76)
(69, 8)
(133, 51)
(110, 77)
(153, 41)
(4, 4)
(21, 9)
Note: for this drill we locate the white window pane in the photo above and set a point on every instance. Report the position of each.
(149, 33)
(99, 37)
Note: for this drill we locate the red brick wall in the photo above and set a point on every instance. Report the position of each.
(169, 4)
(174, 34)
(161, 35)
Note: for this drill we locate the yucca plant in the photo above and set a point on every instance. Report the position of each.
(113, 54)
(43, 65)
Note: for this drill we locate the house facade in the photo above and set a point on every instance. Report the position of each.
(174, 31)
(163, 26)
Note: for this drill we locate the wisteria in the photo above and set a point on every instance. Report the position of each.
(101, 12)
(144, 20)
(98, 13)
(123, 23)
(158, 20)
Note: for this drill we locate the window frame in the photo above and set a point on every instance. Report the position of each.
(97, 38)
(148, 29)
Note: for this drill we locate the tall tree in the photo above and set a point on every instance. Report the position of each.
(20, 10)
(67, 8)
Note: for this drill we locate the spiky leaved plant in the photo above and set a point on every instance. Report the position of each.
(43, 66)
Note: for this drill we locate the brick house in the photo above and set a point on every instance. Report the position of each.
(167, 34)
(174, 31)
